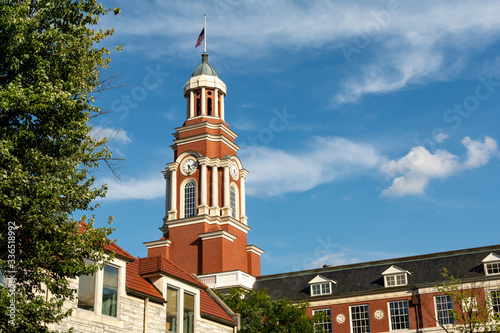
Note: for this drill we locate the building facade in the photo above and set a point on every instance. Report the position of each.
(205, 225)
(392, 295)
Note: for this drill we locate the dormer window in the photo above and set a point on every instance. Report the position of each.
(395, 276)
(492, 264)
(321, 285)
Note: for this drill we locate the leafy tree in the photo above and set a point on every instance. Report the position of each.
(261, 314)
(472, 311)
(50, 69)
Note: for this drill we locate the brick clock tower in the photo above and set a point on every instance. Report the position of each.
(205, 226)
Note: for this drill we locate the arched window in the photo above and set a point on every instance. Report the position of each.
(232, 200)
(190, 199)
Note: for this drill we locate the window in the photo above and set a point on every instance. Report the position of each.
(444, 306)
(87, 296)
(110, 291)
(209, 106)
(492, 268)
(360, 318)
(491, 264)
(86, 292)
(188, 313)
(172, 306)
(400, 318)
(326, 324)
(190, 199)
(232, 200)
(395, 280)
(320, 289)
(495, 301)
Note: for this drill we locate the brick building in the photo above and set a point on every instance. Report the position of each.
(204, 232)
(390, 295)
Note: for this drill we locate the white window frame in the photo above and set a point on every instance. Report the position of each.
(492, 263)
(325, 288)
(183, 197)
(495, 307)
(98, 292)
(182, 289)
(393, 316)
(325, 323)
(450, 318)
(396, 280)
(235, 208)
(351, 320)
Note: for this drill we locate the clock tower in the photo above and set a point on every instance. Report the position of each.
(205, 225)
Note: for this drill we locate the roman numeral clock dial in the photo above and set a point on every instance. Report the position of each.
(189, 166)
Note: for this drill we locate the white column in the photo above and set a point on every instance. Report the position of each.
(226, 208)
(203, 190)
(203, 102)
(242, 201)
(167, 193)
(222, 106)
(216, 102)
(191, 104)
(172, 213)
(214, 209)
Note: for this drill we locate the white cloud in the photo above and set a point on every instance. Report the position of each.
(275, 172)
(479, 153)
(111, 134)
(411, 174)
(133, 189)
(408, 41)
(440, 137)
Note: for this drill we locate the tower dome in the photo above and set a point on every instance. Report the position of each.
(204, 68)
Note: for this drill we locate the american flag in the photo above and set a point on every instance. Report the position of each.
(200, 38)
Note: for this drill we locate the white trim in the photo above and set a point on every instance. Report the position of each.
(407, 315)
(217, 234)
(206, 124)
(157, 243)
(217, 220)
(183, 199)
(254, 249)
(203, 137)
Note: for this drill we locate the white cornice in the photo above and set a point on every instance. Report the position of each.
(206, 124)
(157, 243)
(208, 81)
(254, 249)
(212, 220)
(205, 136)
(217, 234)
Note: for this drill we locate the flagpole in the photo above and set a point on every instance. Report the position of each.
(205, 39)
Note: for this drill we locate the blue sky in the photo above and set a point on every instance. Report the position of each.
(370, 129)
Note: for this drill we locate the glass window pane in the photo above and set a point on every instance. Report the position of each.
(172, 297)
(86, 290)
(110, 291)
(190, 199)
(444, 306)
(360, 319)
(232, 198)
(188, 313)
(399, 314)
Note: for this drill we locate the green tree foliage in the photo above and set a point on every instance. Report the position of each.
(50, 68)
(472, 308)
(261, 314)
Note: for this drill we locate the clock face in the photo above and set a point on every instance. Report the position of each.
(189, 166)
(234, 170)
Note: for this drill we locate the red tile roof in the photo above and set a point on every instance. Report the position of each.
(210, 307)
(139, 284)
(160, 264)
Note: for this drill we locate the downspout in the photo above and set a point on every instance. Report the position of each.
(146, 308)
